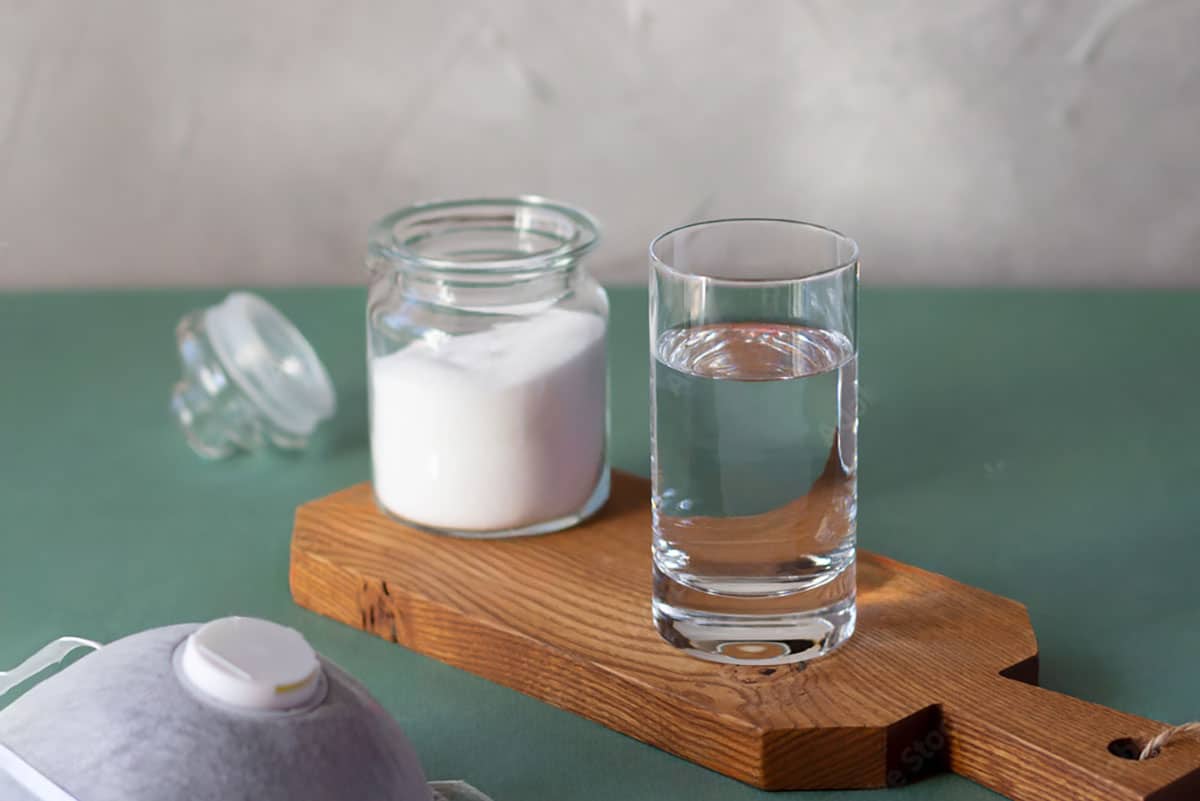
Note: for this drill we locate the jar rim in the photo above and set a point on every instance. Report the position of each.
(585, 233)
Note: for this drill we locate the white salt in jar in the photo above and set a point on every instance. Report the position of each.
(486, 362)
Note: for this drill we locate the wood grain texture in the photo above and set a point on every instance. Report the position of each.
(934, 679)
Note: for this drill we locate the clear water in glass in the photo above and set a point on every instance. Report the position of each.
(755, 498)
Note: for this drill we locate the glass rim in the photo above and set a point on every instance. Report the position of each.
(382, 240)
(850, 261)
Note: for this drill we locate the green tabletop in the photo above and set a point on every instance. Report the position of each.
(1042, 445)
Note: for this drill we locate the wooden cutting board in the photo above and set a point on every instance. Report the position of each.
(939, 675)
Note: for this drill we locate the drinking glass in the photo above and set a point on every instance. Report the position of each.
(754, 417)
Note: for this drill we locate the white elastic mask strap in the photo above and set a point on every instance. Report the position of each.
(29, 779)
(50, 654)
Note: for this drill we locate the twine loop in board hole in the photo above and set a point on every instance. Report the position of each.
(1128, 748)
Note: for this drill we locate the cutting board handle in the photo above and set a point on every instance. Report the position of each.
(1032, 744)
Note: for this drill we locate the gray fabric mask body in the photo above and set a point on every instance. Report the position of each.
(120, 725)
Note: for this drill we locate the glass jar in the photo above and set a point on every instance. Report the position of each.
(487, 367)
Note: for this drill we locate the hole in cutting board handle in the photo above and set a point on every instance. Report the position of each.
(1128, 748)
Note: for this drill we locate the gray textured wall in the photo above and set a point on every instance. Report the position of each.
(251, 141)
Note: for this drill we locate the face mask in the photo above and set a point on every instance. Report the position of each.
(236, 710)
